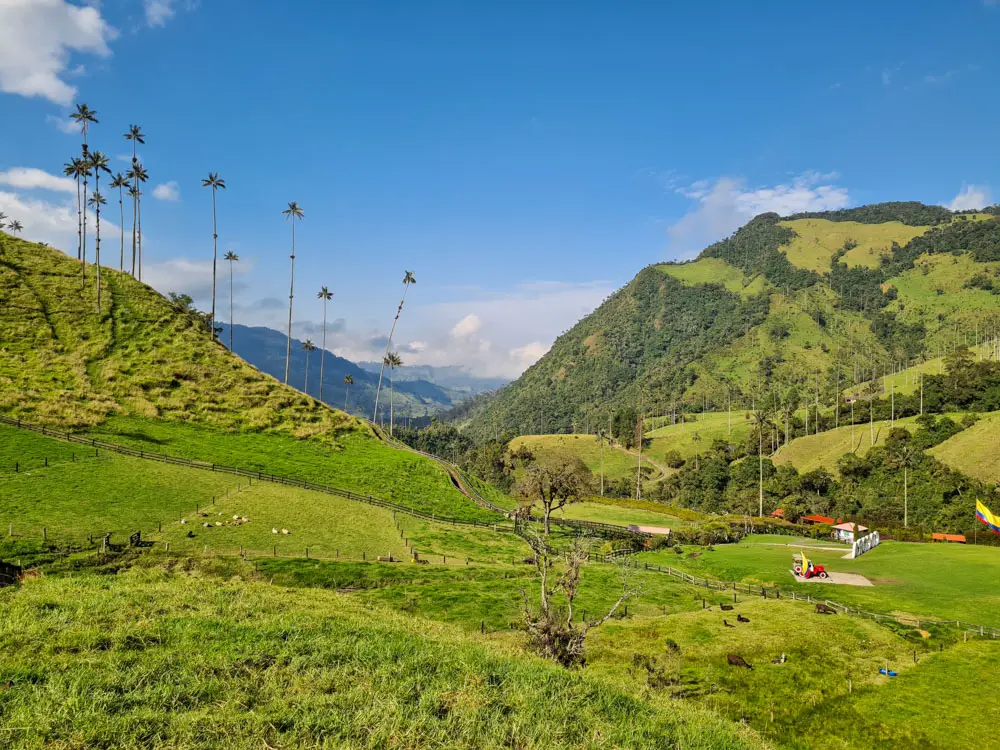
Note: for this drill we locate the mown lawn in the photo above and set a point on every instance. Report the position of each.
(939, 581)
(151, 658)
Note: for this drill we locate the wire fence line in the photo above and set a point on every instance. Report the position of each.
(258, 475)
(775, 593)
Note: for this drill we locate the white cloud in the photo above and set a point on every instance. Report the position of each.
(158, 12)
(52, 223)
(64, 124)
(168, 191)
(37, 38)
(29, 178)
(726, 204)
(970, 197)
(527, 355)
(467, 326)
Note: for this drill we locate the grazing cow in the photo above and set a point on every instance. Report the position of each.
(741, 618)
(735, 660)
(726, 607)
(824, 609)
(726, 623)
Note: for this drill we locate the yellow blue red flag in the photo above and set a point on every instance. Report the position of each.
(983, 514)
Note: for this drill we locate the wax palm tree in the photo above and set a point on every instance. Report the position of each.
(99, 163)
(408, 279)
(119, 181)
(14, 227)
(216, 183)
(232, 258)
(135, 135)
(308, 347)
(326, 295)
(84, 116)
(75, 168)
(761, 424)
(905, 457)
(95, 202)
(348, 382)
(392, 361)
(293, 212)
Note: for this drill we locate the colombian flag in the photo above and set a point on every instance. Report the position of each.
(984, 515)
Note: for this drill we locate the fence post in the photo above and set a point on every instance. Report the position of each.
(44, 534)
(276, 550)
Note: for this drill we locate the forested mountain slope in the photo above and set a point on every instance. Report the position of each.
(810, 303)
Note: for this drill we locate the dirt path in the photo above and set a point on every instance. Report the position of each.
(665, 471)
(843, 579)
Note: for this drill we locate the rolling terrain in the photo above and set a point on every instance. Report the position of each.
(807, 301)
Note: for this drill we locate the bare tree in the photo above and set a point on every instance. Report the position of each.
(549, 622)
(555, 484)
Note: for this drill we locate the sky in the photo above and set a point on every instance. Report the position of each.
(523, 159)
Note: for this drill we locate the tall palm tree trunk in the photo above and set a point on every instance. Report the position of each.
(322, 355)
(230, 305)
(79, 221)
(306, 387)
(121, 221)
(291, 295)
(97, 251)
(83, 263)
(392, 393)
(399, 310)
(215, 255)
(138, 205)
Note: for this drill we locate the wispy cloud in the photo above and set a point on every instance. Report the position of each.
(726, 203)
(158, 12)
(29, 178)
(971, 197)
(37, 39)
(168, 191)
(64, 124)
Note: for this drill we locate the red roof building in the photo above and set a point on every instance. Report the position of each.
(818, 519)
(958, 538)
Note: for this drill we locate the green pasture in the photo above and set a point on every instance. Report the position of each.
(936, 581)
(819, 239)
(975, 451)
(354, 461)
(157, 658)
(716, 271)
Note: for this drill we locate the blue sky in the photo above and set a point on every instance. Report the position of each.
(524, 159)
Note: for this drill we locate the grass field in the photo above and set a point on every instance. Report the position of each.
(974, 451)
(936, 286)
(93, 661)
(822, 451)
(930, 580)
(774, 698)
(110, 493)
(716, 271)
(617, 463)
(689, 438)
(904, 382)
(819, 239)
(624, 514)
(353, 462)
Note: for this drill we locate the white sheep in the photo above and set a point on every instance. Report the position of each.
(274, 531)
(183, 521)
(218, 523)
(205, 525)
(285, 531)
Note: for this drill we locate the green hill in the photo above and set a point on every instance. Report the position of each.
(144, 372)
(817, 301)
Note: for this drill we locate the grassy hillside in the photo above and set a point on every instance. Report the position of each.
(818, 240)
(65, 364)
(822, 451)
(145, 372)
(293, 668)
(617, 463)
(974, 451)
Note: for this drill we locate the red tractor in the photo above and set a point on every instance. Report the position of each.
(807, 568)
